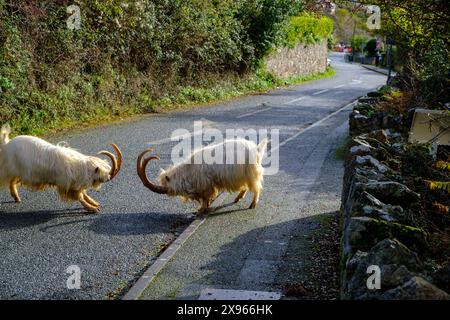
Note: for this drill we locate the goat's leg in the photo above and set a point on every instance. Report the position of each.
(89, 207)
(204, 206)
(256, 192)
(90, 200)
(240, 195)
(13, 184)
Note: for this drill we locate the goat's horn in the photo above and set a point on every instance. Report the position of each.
(119, 158)
(141, 166)
(116, 162)
(114, 170)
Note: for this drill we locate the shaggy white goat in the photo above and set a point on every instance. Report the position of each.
(202, 182)
(37, 164)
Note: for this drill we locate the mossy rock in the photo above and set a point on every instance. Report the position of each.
(365, 109)
(369, 100)
(413, 237)
(364, 232)
(392, 192)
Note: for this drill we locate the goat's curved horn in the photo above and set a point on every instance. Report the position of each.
(141, 166)
(112, 173)
(116, 162)
(119, 158)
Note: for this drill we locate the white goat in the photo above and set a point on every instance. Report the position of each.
(202, 182)
(37, 164)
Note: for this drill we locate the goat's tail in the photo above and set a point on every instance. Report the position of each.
(262, 147)
(4, 134)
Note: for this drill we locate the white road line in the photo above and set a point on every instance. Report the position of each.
(339, 86)
(315, 124)
(356, 81)
(295, 100)
(252, 113)
(320, 92)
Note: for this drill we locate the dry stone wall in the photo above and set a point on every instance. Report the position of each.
(299, 61)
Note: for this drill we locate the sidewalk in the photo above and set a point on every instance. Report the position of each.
(377, 69)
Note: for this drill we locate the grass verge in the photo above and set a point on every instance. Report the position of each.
(186, 97)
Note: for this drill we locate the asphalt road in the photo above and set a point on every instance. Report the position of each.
(41, 237)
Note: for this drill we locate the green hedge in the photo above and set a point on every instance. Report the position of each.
(129, 54)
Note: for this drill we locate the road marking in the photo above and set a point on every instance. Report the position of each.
(339, 86)
(356, 81)
(315, 124)
(252, 113)
(295, 100)
(320, 92)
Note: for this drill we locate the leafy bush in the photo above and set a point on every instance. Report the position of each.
(127, 54)
(262, 24)
(433, 74)
(307, 28)
(358, 42)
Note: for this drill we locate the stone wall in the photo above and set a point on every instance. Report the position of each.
(300, 61)
(376, 209)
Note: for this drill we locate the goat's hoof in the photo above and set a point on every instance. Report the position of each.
(202, 212)
(17, 201)
(252, 206)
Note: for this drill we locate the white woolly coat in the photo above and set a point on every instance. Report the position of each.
(195, 180)
(39, 164)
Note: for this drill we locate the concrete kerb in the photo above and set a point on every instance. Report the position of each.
(138, 288)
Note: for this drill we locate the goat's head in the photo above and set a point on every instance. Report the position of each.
(103, 172)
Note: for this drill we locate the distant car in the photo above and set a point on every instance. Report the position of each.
(328, 62)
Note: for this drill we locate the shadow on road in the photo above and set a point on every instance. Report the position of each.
(137, 223)
(18, 220)
(106, 224)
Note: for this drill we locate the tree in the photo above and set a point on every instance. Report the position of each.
(420, 31)
(371, 47)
